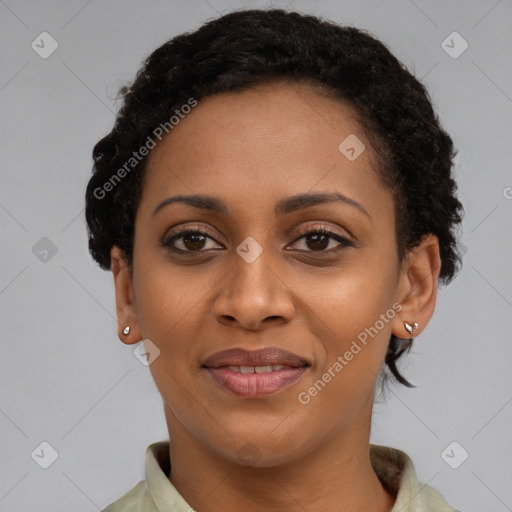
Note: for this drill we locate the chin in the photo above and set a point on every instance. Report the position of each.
(263, 451)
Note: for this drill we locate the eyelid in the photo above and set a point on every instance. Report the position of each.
(326, 228)
(180, 230)
(343, 240)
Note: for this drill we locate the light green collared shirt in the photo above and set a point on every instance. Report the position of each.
(393, 467)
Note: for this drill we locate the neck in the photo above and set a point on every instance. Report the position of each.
(336, 476)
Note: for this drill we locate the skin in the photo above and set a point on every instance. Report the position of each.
(252, 149)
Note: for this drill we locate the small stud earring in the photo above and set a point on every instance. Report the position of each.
(410, 328)
(126, 330)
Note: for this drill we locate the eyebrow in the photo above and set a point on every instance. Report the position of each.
(284, 206)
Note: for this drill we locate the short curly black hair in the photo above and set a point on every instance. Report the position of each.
(251, 47)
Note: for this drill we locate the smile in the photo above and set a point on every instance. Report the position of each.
(256, 369)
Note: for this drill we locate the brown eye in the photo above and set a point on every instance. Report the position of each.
(318, 239)
(190, 240)
(194, 241)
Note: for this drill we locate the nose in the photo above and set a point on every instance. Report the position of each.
(253, 295)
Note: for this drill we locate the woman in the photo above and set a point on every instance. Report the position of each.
(276, 204)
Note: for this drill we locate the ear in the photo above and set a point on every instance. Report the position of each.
(417, 289)
(125, 305)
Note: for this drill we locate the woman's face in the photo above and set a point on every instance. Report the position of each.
(252, 278)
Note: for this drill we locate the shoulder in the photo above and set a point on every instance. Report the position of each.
(397, 474)
(136, 499)
(431, 500)
(156, 492)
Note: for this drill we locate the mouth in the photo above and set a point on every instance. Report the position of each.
(257, 369)
(255, 373)
(263, 357)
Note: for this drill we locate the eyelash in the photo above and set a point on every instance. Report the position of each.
(345, 242)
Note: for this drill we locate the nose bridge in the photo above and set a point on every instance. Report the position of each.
(251, 291)
(251, 276)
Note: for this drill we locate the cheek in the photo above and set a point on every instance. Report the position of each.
(350, 313)
(166, 298)
(352, 298)
(171, 311)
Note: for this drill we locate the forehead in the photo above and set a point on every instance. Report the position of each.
(256, 146)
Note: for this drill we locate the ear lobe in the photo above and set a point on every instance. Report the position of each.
(125, 305)
(417, 290)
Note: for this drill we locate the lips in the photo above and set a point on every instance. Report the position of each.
(254, 358)
(255, 373)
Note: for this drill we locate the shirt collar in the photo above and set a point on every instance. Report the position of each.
(162, 491)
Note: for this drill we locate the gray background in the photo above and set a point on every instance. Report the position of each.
(66, 378)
